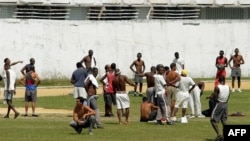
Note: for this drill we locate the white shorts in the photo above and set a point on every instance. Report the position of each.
(122, 100)
(182, 99)
(79, 92)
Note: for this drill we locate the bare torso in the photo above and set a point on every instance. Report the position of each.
(139, 66)
(87, 61)
(237, 59)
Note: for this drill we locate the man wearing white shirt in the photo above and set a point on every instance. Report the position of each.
(179, 61)
(182, 97)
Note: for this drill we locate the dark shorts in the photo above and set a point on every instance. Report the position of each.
(152, 117)
(110, 98)
(30, 95)
(236, 72)
(138, 79)
(220, 112)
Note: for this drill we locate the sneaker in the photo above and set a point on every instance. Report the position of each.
(170, 123)
(135, 93)
(201, 116)
(152, 121)
(79, 130)
(173, 119)
(239, 90)
(16, 115)
(6, 116)
(159, 122)
(190, 116)
(219, 138)
(35, 115)
(233, 90)
(140, 94)
(184, 120)
(90, 133)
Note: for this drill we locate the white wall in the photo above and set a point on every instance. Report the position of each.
(58, 45)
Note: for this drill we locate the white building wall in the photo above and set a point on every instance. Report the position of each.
(58, 45)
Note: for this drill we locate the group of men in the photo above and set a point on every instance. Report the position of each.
(86, 112)
(220, 96)
(30, 80)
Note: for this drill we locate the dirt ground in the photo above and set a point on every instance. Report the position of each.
(55, 91)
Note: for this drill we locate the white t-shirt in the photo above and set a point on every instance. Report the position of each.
(224, 93)
(179, 62)
(185, 83)
(12, 80)
(160, 84)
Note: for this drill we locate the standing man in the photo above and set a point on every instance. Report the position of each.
(89, 61)
(27, 67)
(182, 97)
(221, 64)
(7, 64)
(235, 69)
(220, 111)
(194, 101)
(91, 86)
(172, 79)
(30, 80)
(179, 61)
(77, 78)
(10, 90)
(150, 84)
(122, 98)
(139, 68)
(109, 92)
(105, 85)
(161, 92)
(83, 117)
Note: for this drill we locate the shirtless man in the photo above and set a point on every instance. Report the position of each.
(172, 82)
(30, 81)
(91, 86)
(148, 110)
(122, 98)
(83, 117)
(236, 71)
(89, 60)
(139, 69)
(150, 84)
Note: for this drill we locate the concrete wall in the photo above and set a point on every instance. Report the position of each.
(58, 45)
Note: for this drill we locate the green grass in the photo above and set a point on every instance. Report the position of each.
(54, 127)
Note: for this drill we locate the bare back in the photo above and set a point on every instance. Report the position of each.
(119, 82)
(146, 108)
(172, 75)
(150, 79)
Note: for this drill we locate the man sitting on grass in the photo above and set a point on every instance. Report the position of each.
(148, 110)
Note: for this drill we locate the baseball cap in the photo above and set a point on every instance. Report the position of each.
(184, 72)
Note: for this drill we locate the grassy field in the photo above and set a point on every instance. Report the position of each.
(55, 127)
